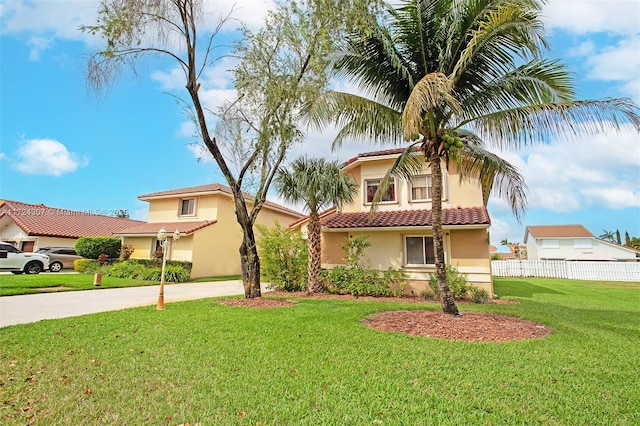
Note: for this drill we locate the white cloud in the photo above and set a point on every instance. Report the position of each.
(601, 170)
(38, 44)
(616, 63)
(60, 19)
(2, 156)
(589, 16)
(46, 157)
(585, 48)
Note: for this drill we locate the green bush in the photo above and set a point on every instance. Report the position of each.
(86, 266)
(139, 271)
(359, 279)
(173, 274)
(479, 295)
(153, 263)
(283, 258)
(126, 270)
(457, 283)
(93, 247)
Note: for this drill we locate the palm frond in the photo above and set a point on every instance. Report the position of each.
(431, 93)
(496, 175)
(525, 125)
(358, 118)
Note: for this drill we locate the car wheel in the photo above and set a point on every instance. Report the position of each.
(33, 268)
(16, 272)
(55, 267)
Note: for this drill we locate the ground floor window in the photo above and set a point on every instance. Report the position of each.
(419, 251)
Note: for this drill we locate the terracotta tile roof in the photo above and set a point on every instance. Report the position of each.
(211, 188)
(393, 151)
(185, 228)
(306, 217)
(557, 231)
(458, 216)
(38, 219)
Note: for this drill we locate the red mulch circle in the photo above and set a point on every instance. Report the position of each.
(471, 327)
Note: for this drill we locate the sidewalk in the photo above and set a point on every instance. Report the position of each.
(35, 307)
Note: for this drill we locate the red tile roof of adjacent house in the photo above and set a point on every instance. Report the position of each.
(306, 217)
(206, 189)
(450, 217)
(184, 228)
(38, 219)
(558, 231)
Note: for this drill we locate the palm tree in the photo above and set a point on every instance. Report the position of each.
(445, 77)
(607, 235)
(317, 183)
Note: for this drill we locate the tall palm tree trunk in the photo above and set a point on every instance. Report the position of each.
(314, 267)
(447, 301)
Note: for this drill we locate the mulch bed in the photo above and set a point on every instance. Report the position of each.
(471, 327)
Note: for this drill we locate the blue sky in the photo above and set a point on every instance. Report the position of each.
(62, 146)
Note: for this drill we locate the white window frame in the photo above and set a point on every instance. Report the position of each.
(550, 243)
(365, 191)
(406, 251)
(180, 207)
(429, 187)
(582, 243)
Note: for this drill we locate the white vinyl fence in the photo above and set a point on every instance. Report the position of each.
(601, 271)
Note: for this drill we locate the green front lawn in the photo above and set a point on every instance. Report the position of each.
(201, 362)
(11, 285)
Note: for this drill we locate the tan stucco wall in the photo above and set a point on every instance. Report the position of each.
(55, 242)
(467, 250)
(464, 194)
(168, 209)
(141, 245)
(215, 248)
(330, 247)
(470, 253)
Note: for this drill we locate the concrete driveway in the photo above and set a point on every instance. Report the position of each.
(35, 307)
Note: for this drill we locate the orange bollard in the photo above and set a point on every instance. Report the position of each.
(97, 279)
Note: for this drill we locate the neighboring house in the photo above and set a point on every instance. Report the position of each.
(210, 235)
(30, 227)
(573, 242)
(400, 232)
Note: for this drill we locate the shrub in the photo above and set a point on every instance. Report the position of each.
(126, 250)
(103, 258)
(283, 258)
(457, 283)
(174, 274)
(92, 247)
(152, 263)
(126, 270)
(359, 279)
(479, 295)
(86, 266)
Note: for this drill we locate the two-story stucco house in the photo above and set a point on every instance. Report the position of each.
(400, 232)
(573, 242)
(205, 218)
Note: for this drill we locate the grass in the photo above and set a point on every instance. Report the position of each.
(201, 362)
(11, 285)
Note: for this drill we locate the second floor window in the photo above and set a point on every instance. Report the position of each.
(372, 186)
(188, 207)
(421, 188)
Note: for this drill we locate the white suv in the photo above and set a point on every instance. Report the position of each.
(14, 260)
